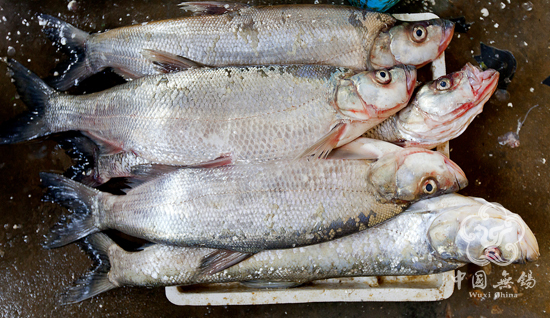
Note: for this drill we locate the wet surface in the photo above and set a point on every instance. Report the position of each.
(515, 177)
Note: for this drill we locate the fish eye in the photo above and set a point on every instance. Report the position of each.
(419, 33)
(444, 84)
(383, 77)
(429, 186)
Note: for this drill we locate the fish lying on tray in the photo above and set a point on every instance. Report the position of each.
(272, 35)
(250, 208)
(218, 116)
(441, 110)
(433, 236)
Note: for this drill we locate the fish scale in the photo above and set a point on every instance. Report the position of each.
(177, 118)
(265, 35)
(262, 207)
(386, 130)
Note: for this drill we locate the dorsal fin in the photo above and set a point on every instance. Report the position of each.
(211, 7)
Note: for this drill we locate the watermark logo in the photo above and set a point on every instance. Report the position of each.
(479, 280)
(527, 280)
(506, 287)
(491, 238)
(505, 281)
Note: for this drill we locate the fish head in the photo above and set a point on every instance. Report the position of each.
(376, 94)
(412, 174)
(412, 43)
(443, 109)
(480, 232)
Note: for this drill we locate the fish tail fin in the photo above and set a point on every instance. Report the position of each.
(96, 280)
(83, 201)
(85, 154)
(35, 94)
(73, 42)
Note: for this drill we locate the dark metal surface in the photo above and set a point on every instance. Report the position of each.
(518, 178)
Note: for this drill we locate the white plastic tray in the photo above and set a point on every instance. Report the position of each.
(359, 289)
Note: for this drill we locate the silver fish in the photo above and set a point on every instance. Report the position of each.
(432, 236)
(441, 110)
(272, 35)
(249, 208)
(228, 114)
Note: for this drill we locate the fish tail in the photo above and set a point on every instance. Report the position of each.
(73, 42)
(35, 94)
(83, 201)
(85, 154)
(96, 280)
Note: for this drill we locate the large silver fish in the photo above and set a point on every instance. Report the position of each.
(249, 208)
(441, 110)
(432, 236)
(285, 34)
(228, 114)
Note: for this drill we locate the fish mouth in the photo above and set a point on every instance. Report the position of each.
(448, 32)
(460, 177)
(528, 246)
(410, 74)
(484, 83)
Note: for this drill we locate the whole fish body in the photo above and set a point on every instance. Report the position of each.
(440, 111)
(272, 35)
(244, 114)
(423, 240)
(249, 208)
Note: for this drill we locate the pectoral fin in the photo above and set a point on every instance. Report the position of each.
(106, 147)
(324, 146)
(220, 260)
(168, 62)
